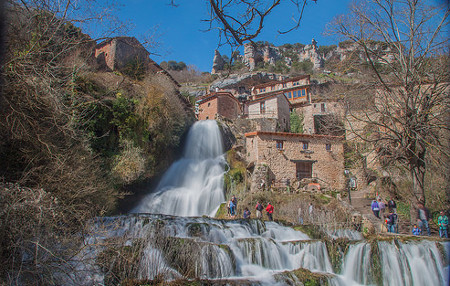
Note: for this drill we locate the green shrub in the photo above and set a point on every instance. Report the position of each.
(296, 122)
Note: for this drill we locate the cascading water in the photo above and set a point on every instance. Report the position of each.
(193, 186)
(169, 240)
(253, 250)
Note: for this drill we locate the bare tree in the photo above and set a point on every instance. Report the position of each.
(406, 118)
(241, 21)
(39, 146)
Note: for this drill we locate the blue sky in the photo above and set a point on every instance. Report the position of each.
(180, 29)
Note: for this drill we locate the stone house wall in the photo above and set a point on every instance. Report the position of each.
(117, 53)
(219, 104)
(284, 110)
(318, 108)
(228, 107)
(281, 85)
(327, 165)
(208, 109)
(276, 107)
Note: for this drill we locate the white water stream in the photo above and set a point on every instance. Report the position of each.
(250, 251)
(193, 186)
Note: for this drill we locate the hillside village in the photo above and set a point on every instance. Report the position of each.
(291, 133)
(94, 136)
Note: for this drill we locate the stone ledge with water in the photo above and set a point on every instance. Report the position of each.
(148, 247)
(167, 239)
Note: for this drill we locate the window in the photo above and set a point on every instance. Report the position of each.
(303, 170)
(262, 107)
(328, 147)
(207, 117)
(279, 145)
(315, 105)
(305, 145)
(303, 92)
(262, 89)
(322, 107)
(209, 104)
(288, 95)
(295, 83)
(284, 85)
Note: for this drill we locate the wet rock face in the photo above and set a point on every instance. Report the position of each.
(228, 137)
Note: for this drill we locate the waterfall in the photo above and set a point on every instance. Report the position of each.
(253, 250)
(193, 186)
(411, 263)
(169, 237)
(357, 264)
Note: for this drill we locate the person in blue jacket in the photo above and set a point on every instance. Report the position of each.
(416, 230)
(375, 208)
(232, 209)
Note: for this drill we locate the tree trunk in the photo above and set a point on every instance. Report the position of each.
(418, 190)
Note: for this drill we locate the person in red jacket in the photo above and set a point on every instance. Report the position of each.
(269, 210)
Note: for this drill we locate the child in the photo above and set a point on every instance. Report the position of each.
(416, 230)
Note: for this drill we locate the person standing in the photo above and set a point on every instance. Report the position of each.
(423, 216)
(247, 213)
(311, 212)
(232, 209)
(382, 207)
(300, 215)
(443, 225)
(375, 208)
(392, 222)
(392, 205)
(259, 209)
(269, 210)
(234, 200)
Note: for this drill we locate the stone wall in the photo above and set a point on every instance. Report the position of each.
(118, 52)
(228, 107)
(276, 107)
(328, 166)
(284, 117)
(220, 104)
(208, 109)
(318, 108)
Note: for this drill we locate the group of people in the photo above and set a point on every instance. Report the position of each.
(232, 206)
(423, 217)
(391, 219)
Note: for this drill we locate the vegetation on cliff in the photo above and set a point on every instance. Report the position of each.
(71, 137)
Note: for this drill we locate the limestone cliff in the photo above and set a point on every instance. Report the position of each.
(263, 55)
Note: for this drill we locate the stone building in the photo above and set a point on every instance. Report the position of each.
(218, 103)
(119, 52)
(295, 89)
(293, 157)
(275, 106)
(323, 116)
(116, 53)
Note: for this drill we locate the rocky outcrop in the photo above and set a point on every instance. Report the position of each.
(259, 55)
(253, 55)
(267, 54)
(311, 53)
(218, 62)
(247, 80)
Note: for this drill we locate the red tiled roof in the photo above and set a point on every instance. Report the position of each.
(213, 95)
(281, 81)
